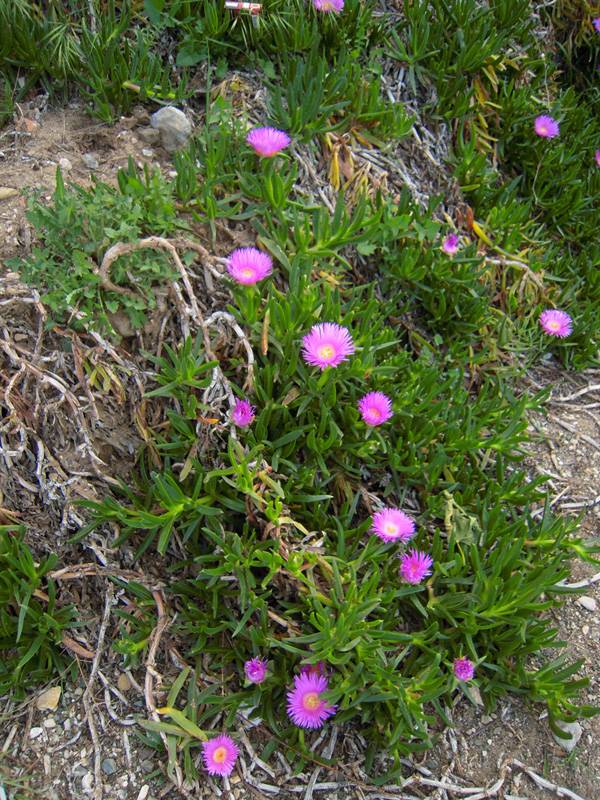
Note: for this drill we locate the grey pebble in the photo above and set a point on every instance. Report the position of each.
(65, 164)
(174, 127)
(574, 729)
(147, 765)
(147, 153)
(587, 602)
(90, 161)
(149, 135)
(109, 765)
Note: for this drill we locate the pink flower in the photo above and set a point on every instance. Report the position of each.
(249, 265)
(556, 323)
(327, 345)
(305, 707)
(546, 126)
(243, 413)
(267, 141)
(415, 566)
(464, 669)
(596, 23)
(598, 157)
(329, 5)
(219, 755)
(256, 670)
(450, 244)
(375, 408)
(393, 525)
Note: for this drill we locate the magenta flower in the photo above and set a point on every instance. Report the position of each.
(598, 157)
(375, 408)
(415, 566)
(256, 670)
(249, 265)
(267, 141)
(596, 23)
(219, 755)
(450, 244)
(546, 126)
(305, 707)
(556, 323)
(243, 413)
(329, 5)
(464, 669)
(393, 525)
(327, 345)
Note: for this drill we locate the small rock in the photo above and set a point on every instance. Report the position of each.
(79, 771)
(585, 630)
(123, 682)
(587, 602)
(109, 765)
(147, 153)
(486, 719)
(90, 161)
(149, 135)
(65, 164)
(174, 127)
(50, 723)
(67, 725)
(141, 115)
(35, 732)
(87, 782)
(48, 700)
(147, 765)
(572, 728)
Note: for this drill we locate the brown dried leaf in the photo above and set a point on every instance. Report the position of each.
(76, 648)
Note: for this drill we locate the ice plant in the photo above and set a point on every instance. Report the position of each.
(249, 265)
(415, 566)
(596, 23)
(556, 323)
(375, 408)
(305, 707)
(546, 126)
(450, 244)
(267, 142)
(327, 345)
(393, 525)
(256, 670)
(464, 669)
(219, 755)
(598, 157)
(243, 413)
(329, 5)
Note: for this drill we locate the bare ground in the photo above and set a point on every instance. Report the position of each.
(56, 753)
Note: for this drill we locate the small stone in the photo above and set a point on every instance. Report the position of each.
(573, 729)
(147, 765)
(585, 630)
(87, 782)
(90, 161)
(48, 700)
(149, 135)
(486, 719)
(67, 725)
(79, 771)
(49, 723)
(123, 682)
(147, 153)
(141, 116)
(35, 732)
(65, 164)
(109, 765)
(174, 127)
(587, 602)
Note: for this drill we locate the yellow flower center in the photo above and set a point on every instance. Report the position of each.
(311, 701)
(555, 325)
(391, 529)
(543, 129)
(326, 351)
(247, 272)
(220, 755)
(375, 413)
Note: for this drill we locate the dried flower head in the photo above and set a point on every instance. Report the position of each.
(249, 265)
(256, 670)
(243, 413)
(219, 755)
(327, 345)
(546, 126)
(464, 669)
(267, 142)
(305, 707)
(375, 408)
(393, 525)
(329, 5)
(450, 244)
(415, 566)
(556, 323)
